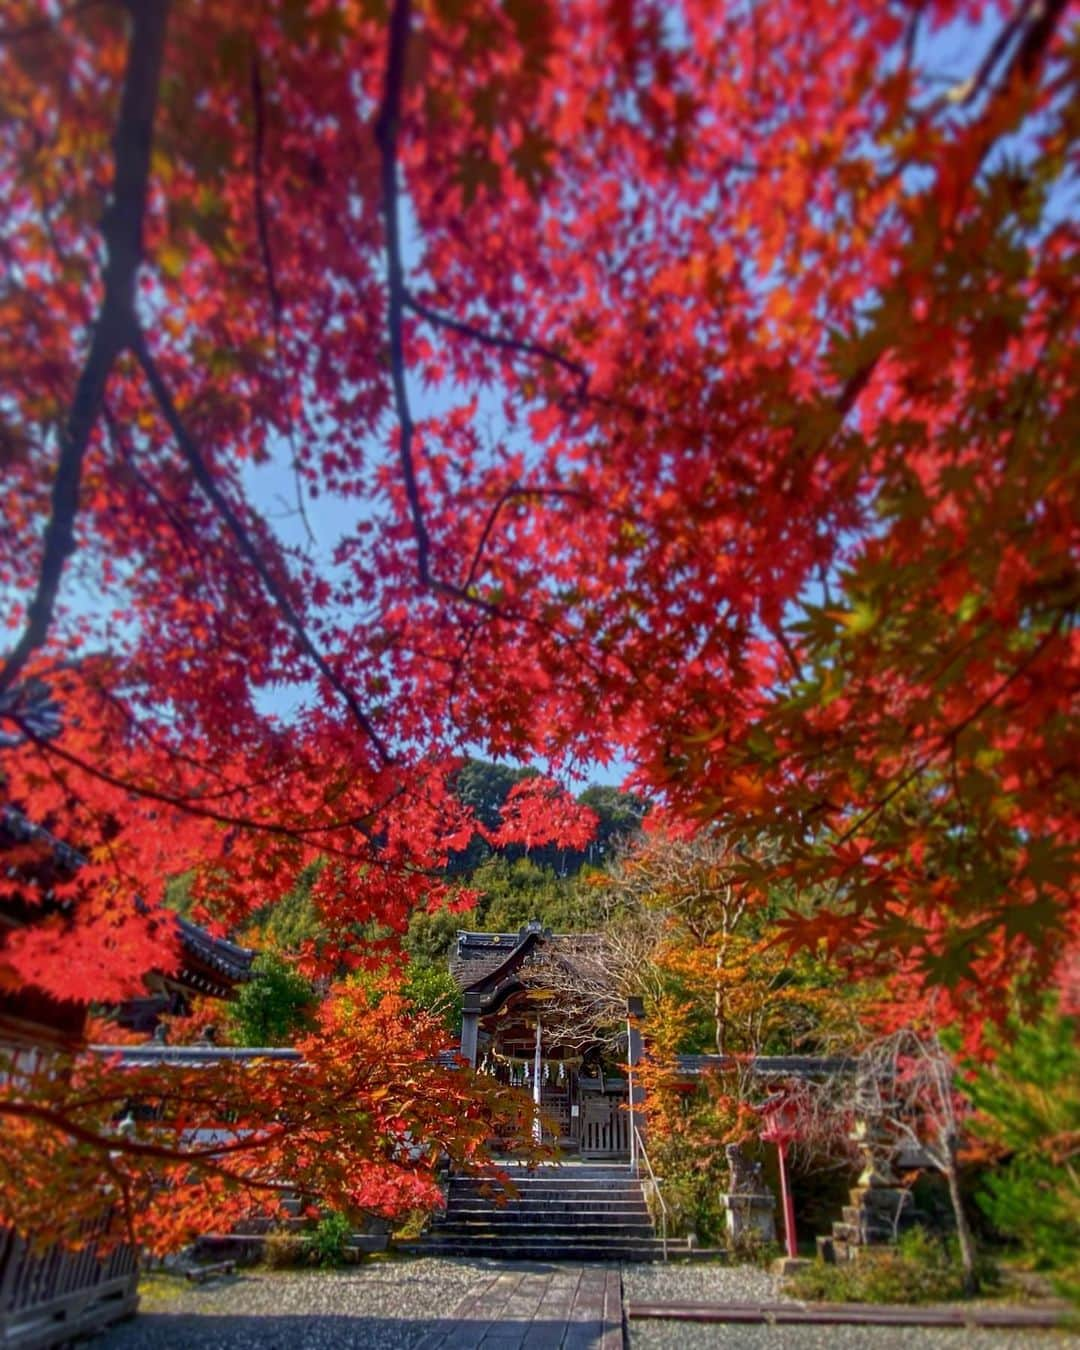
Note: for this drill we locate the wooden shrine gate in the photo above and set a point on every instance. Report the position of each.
(604, 1126)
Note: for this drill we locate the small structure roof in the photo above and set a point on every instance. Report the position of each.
(480, 958)
(769, 1066)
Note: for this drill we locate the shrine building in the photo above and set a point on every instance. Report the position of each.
(529, 1035)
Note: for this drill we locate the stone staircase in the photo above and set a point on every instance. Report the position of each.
(875, 1217)
(573, 1212)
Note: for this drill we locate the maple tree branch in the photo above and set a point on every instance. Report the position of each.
(205, 479)
(258, 105)
(386, 133)
(118, 1143)
(527, 347)
(911, 34)
(1031, 28)
(1044, 16)
(508, 496)
(123, 1181)
(949, 738)
(176, 755)
(1008, 32)
(118, 438)
(523, 346)
(789, 650)
(122, 232)
(298, 833)
(262, 229)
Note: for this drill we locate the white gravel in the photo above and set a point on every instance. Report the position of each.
(382, 1306)
(749, 1284)
(392, 1305)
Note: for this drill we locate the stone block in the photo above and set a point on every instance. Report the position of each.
(790, 1265)
(750, 1218)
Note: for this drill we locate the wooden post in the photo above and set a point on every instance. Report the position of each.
(789, 1207)
(538, 1129)
(635, 1048)
(470, 1028)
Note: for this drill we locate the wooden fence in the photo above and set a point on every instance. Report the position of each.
(605, 1127)
(50, 1296)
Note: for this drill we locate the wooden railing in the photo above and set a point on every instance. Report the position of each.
(639, 1155)
(51, 1296)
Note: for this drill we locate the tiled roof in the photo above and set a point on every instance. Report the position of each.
(478, 956)
(770, 1066)
(21, 830)
(227, 957)
(153, 1054)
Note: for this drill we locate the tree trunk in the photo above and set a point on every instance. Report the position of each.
(963, 1229)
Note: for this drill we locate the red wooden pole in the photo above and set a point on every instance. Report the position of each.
(789, 1208)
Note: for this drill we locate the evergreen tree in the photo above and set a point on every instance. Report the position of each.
(273, 1007)
(1029, 1097)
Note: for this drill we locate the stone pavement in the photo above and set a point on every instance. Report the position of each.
(440, 1304)
(539, 1308)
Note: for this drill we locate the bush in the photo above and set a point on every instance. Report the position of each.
(328, 1240)
(283, 1250)
(921, 1268)
(273, 1007)
(1030, 1103)
(412, 1226)
(432, 988)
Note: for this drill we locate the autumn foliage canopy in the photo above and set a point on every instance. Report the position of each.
(693, 383)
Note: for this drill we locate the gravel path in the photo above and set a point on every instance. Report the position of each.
(382, 1306)
(393, 1305)
(738, 1284)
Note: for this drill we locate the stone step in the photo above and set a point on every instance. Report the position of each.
(485, 1227)
(554, 1209)
(572, 1185)
(854, 1232)
(578, 1195)
(544, 1249)
(573, 1169)
(548, 1220)
(254, 1227)
(553, 1180)
(579, 1212)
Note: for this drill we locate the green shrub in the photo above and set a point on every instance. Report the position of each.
(921, 1268)
(328, 1240)
(411, 1227)
(691, 1185)
(1029, 1098)
(283, 1250)
(273, 1007)
(434, 989)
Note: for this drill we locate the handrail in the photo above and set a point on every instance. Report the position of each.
(641, 1153)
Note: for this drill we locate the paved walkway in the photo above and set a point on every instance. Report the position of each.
(549, 1308)
(459, 1304)
(437, 1304)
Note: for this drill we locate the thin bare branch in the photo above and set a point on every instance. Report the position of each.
(206, 481)
(521, 346)
(122, 231)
